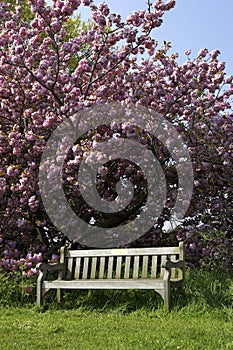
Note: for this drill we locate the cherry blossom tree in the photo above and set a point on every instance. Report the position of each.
(48, 74)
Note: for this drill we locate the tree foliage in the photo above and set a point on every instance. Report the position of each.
(52, 67)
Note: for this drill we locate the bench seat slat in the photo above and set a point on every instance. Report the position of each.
(106, 284)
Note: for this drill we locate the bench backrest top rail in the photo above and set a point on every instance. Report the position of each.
(123, 252)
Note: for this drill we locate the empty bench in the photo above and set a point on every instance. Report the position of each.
(136, 268)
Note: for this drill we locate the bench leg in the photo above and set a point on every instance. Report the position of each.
(39, 292)
(167, 297)
(59, 292)
(39, 298)
(165, 294)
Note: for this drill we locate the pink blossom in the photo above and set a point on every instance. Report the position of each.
(202, 53)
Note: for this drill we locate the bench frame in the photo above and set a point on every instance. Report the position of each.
(168, 274)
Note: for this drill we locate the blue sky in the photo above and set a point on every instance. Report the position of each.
(192, 24)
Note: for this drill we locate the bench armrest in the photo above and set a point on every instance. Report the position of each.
(49, 266)
(45, 267)
(177, 264)
(169, 265)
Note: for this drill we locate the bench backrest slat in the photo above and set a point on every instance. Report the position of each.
(77, 268)
(93, 267)
(85, 268)
(145, 266)
(135, 267)
(69, 268)
(181, 257)
(110, 267)
(118, 267)
(154, 266)
(102, 265)
(127, 267)
(163, 260)
(173, 274)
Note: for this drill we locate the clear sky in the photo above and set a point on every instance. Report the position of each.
(192, 24)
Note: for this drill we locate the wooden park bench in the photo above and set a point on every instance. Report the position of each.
(134, 268)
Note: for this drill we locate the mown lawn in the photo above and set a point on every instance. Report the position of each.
(24, 329)
(201, 318)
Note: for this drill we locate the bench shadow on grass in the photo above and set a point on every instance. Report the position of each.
(106, 300)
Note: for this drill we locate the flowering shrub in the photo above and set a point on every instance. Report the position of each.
(18, 275)
(115, 61)
(11, 261)
(16, 288)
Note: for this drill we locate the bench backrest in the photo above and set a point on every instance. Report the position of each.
(132, 263)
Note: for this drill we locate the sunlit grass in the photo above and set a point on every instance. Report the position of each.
(201, 319)
(23, 328)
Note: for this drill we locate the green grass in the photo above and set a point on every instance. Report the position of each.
(200, 319)
(25, 329)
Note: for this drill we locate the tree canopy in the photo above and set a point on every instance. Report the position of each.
(53, 67)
